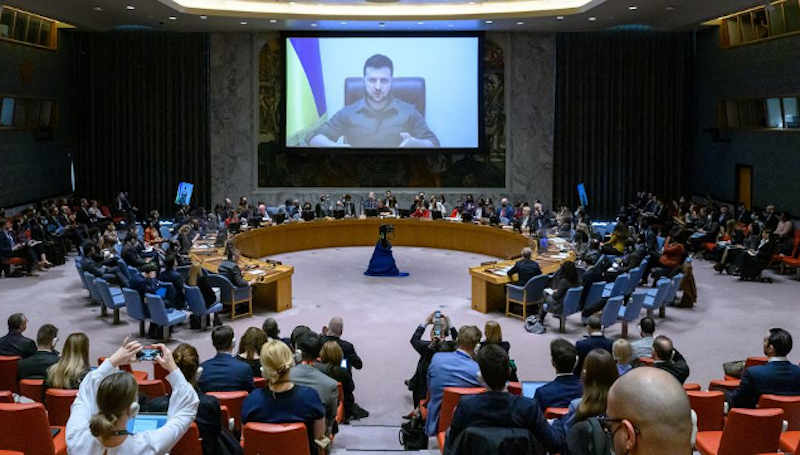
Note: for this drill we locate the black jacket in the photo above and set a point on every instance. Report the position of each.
(231, 271)
(353, 360)
(493, 441)
(16, 344)
(35, 366)
(526, 269)
(677, 367)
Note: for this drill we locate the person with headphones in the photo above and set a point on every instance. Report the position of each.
(107, 399)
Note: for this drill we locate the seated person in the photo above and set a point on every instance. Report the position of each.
(305, 374)
(152, 235)
(672, 257)
(643, 347)
(498, 408)
(131, 251)
(616, 244)
(35, 366)
(623, 355)
(73, 365)
(566, 387)
(198, 277)
(230, 269)
(170, 275)
(525, 268)
(418, 384)
(554, 301)
(146, 282)
(334, 333)
(249, 347)
(223, 373)
(283, 401)
(11, 247)
(667, 358)
(778, 376)
(271, 329)
(14, 343)
(594, 340)
(753, 261)
(452, 369)
(330, 360)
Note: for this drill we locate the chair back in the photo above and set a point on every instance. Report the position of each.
(534, 288)
(184, 271)
(672, 291)
(635, 276)
(152, 388)
(90, 286)
(189, 443)
(8, 372)
(620, 285)
(572, 300)
(233, 400)
(710, 409)
(195, 300)
(225, 286)
(611, 310)
(275, 439)
(259, 382)
(59, 402)
(450, 400)
(595, 293)
(6, 396)
(32, 388)
(158, 310)
(751, 431)
(754, 361)
(340, 408)
(133, 304)
(796, 242)
(662, 289)
(790, 405)
(633, 308)
(36, 438)
(101, 287)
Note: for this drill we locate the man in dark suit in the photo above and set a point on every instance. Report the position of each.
(559, 392)
(223, 372)
(525, 268)
(778, 376)
(667, 358)
(270, 327)
(170, 275)
(130, 252)
(14, 343)
(595, 340)
(229, 269)
(334, 333)
(498, 408)
(35, 366)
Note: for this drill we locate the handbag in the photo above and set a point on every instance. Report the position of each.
(412, 434)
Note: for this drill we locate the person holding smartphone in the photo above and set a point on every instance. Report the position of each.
(440, 330)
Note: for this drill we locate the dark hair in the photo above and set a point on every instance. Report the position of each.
(379, 61)
(781, 340)
(270, 327)
(564, 355)
(297, 333)
(570, 273)
(16, 321)
(169, 262)
(595, 323)
(251, 342)
(46, 334)
(222, 337)
(493, 361)
(149, 267)
(647, 324)
(309, 345)
(663, 347)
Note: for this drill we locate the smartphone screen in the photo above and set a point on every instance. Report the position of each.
(148, 354)
(344, 363)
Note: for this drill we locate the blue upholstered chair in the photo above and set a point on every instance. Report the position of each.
(89, 281)
(618, 287)
(530, 294)
(184, 271)
(107, 299)
(634, 278)
(135, 308)
(654, 298)
(611, 310)
(231, 295)
(569, 306)
(630, 312)
(595, 294)
(197, 305)
(161, 315)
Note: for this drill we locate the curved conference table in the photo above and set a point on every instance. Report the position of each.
(272, 283)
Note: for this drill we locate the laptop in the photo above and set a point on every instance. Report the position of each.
(146, 421)
(529, 387)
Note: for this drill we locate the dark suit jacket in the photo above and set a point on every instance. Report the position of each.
(16, 344)
(224, 373)
(171, 276)
(559, 392)
(6, 244)
(232, 272)
(587, 344)
(526, 269)
(676, 367)
(35, 366)
(130, 254)
(353, 360)
(207, 419)
(778, 378)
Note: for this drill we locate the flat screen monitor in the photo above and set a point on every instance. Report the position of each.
(424, 88)
(146, 422)
(184, 195)
(529, 387)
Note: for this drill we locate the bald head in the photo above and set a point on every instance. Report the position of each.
(662, 348)
(655, 402)
(336, 326)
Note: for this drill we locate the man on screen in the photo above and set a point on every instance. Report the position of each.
(377, 120)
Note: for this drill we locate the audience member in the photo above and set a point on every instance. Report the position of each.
(334, 333)
(223, 373)
(525, 268)
(777, 377)
(567, 277)
(35, 366)
(170, 275)
(452, 369)
(418, 384)
(305, 374)
(594, 340)
(284, 401)
(494, 335)
(623, 355)
(113, 395)
(667, 358)
(14, 343)
(198, 278)
(270, 327)
(229, 268)
(330, 363)
(498, 408)
(566, 386)
(648, 413)
(643, 347)
(73, 365)
(249, 347)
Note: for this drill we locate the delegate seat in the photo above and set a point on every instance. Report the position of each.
(109, 300)
(790, 439)
(189, 443)
(135, 308)
(152, 388)
(634, 278)
(59, 402)
(654, 298)
(275, 439)
(595, 294)
(259, 382)
(197, 305)
(32, 388)
(231, 295)
(514, 388)
(555, 413)
(37, 438)
(340, 407)
(8, 372)
(570, 306)
(611, 311)
(630, 312)
(618, 287)
(6, 396)
(159, 314)
(530, 294)
(731, 383)
(747, 431)
(710, 409)
(792, 261)
(233, 401)
(692, 387)
(450, 399)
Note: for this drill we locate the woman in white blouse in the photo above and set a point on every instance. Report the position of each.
(107, 399)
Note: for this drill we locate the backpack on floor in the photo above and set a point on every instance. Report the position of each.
(412, 434)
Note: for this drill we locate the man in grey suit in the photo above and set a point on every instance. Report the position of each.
(305, 374)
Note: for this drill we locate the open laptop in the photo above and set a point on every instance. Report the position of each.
(146, 421)
(529, 387)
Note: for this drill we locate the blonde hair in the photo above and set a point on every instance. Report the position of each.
(493, 332)
(194, 273)
(276, 361)
(74, 361)
(623, 352)
(331, 353)
(115, 394)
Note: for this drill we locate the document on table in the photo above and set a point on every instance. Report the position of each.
(501, 271)
(256, 272)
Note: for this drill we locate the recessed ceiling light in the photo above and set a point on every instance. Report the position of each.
(343, 23)
(559, 18)
(489, 22)
(272, 21)
(97, 8)
(592, 19)
(633, 7)
(313, 25)
(420, 23)
(203, 17)
(130, 7)
(243, 22)
(173, 18)
(520, 23)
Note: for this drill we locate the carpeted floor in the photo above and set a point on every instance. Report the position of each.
(380, 315)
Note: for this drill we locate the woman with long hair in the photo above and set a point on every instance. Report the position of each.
(598, 374)
(249, 348)
(73, 365)
(330, 363)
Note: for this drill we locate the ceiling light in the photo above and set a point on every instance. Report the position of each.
(471, 3)
(203, 17)
(559, 18)
(97, 8)
(489, 22)
(243, 22)
(420, 23)
(173, 18)
(343, 23)
(592, 19)
(520, 23)
(633, 7)
(272, 21)
(130, 7)
(313, 25)
(292, 3)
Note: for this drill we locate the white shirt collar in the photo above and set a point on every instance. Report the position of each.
(595, 334)
(778, 359)
(558, 375)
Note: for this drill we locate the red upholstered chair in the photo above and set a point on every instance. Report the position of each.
(747, 431)
(692, 387)
(731, 383)
(555, 413)
(275, 439)
(8, 372)
(32, 388)
(790, 440)
(160, 373)
(792, 260)
(340, 408)
(189, 444)
(514, 388)
(224, 417)
(450, 399)
(646, 360)
(710, 409)
(138, 374)
(10, 452)
(152, 388)
(259, 382)
(6, 397)
(36, 438)
(59, 402)
(233, 400)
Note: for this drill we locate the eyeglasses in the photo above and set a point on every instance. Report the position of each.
(608, 422)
